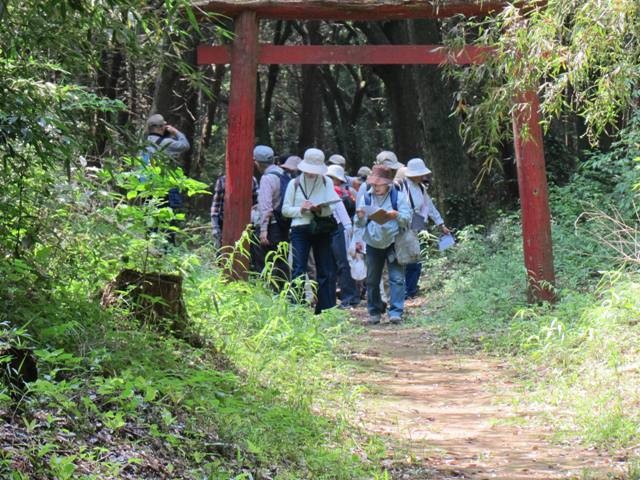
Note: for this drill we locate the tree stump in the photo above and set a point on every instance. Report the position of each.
(154, 299)
(19, 367)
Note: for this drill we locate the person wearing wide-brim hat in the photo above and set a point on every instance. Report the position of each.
(290, 165)
(308, 196)
(364, 172)
(422, 208)
(380, 241)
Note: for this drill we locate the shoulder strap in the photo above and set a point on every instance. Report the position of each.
(298, 184)
(394, 197)
(408, 190)
(159, 139)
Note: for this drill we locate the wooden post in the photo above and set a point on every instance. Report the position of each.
(534, 198)
(241, 125)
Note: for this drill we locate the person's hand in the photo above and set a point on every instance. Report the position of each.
(306, 206)
(359, 247)
(170, 130)
(360, 213)
(393, 214)
(316, 209)
(444, 229)
(264, 238)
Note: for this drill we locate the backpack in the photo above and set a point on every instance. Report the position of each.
(283, 222)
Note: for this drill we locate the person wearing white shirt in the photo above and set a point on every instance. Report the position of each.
(422, 209)
(310, 201)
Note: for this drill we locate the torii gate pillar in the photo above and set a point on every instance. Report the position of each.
(241, 128)
(534, 198)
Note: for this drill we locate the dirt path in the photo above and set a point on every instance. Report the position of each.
(449, 416)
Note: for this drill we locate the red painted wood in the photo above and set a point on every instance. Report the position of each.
(353, 10)
(241, 126)
(534, 198)
(213, 55)
(351, 55)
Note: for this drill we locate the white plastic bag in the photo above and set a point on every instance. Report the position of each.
(358, 267)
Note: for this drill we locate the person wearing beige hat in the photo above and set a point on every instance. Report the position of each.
(380, 236)
(422, 208)
(360, 178)
(389, 159)
(290, 165)
(309, 201)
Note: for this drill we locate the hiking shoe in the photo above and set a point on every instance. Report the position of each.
(395, 320)
(373, 320)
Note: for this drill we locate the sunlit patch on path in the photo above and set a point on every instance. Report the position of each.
(448, 415)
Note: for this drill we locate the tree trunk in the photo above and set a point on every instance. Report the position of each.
(107, 79)
(401, 91)
(311, 132)
(443, 148)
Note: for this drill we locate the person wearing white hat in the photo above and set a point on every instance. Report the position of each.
(337, 160)
(349, 296)
(309, 201)
(422, 209)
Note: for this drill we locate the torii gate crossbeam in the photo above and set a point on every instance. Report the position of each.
(246, 53)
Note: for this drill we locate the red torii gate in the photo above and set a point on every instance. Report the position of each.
(246, 53)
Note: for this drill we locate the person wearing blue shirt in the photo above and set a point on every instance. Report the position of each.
(380, 242)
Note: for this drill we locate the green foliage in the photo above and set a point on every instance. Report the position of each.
(580, 56)
(254, 409)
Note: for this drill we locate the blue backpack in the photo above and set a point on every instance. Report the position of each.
(283, 222)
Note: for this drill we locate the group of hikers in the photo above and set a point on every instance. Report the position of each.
(343, 231)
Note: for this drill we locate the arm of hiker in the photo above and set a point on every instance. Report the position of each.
(268, 183)
(179, 144)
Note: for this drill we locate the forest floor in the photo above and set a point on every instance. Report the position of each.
(455, 415)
